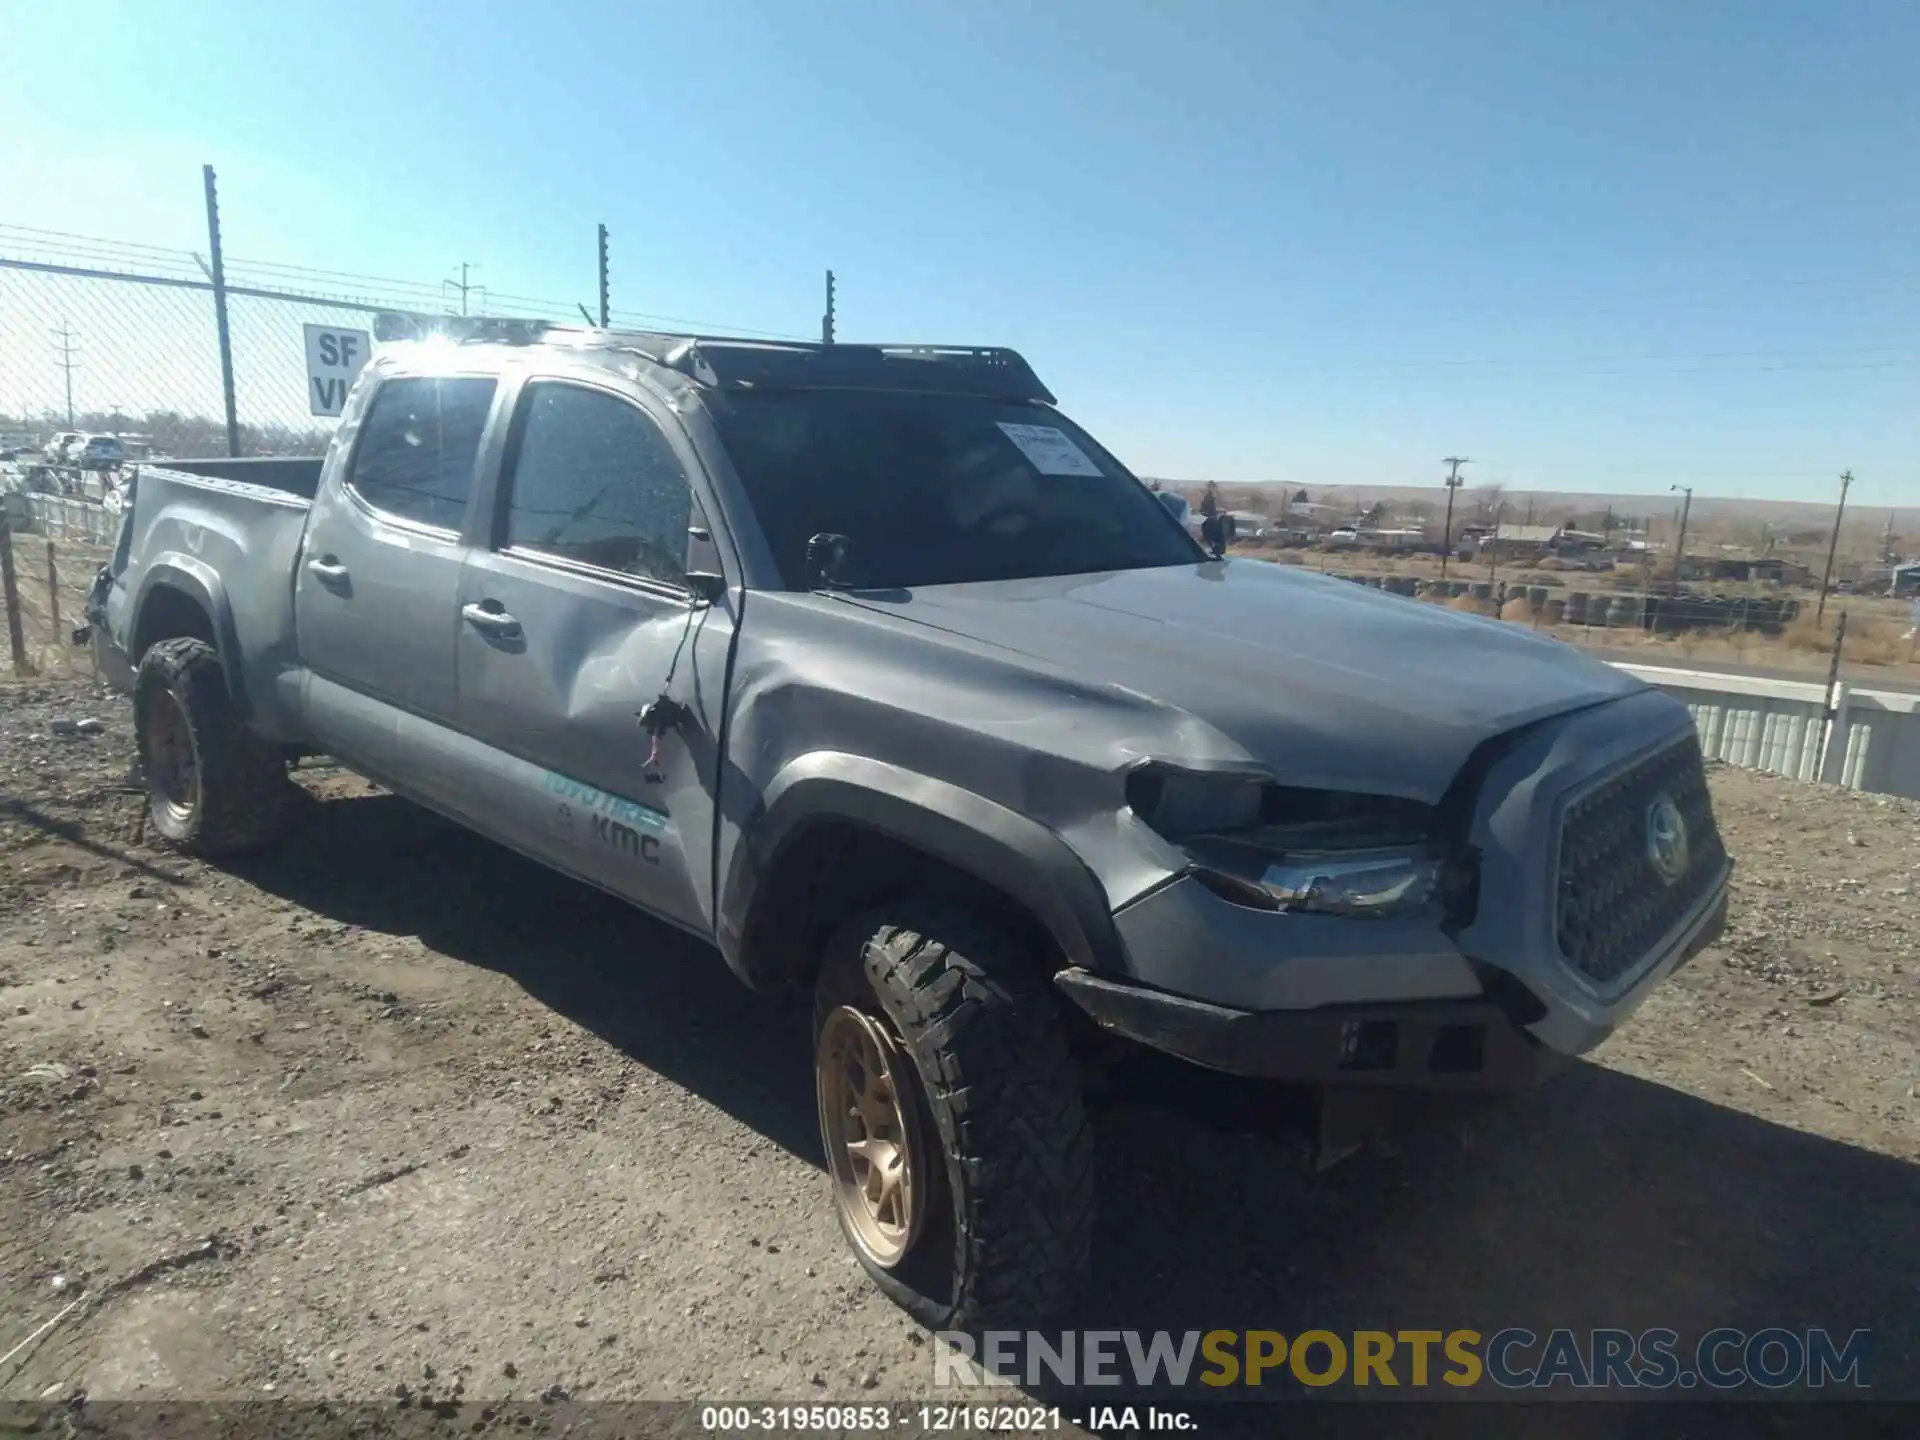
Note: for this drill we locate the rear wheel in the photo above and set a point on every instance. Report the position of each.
(958, 1150)
(213, 786)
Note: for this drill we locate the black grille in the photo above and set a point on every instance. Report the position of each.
(1613, 905)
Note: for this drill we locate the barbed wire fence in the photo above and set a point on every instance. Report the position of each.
(120, 337)
(123, 338)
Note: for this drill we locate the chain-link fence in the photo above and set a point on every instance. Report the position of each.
(119, 338)
(44, 599)
(136, 353)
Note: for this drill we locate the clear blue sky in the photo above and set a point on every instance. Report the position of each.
(1603, 246)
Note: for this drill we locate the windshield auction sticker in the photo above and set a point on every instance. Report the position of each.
(1050, 450)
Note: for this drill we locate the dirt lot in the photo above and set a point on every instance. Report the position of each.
(393, 1107)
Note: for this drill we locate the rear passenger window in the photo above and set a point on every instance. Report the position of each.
(595, 481)
(417, 448)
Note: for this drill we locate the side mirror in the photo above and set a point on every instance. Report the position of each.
(827, 558)
(707, 587)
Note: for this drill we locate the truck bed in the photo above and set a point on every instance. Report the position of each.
(292, 474)
(227, 546)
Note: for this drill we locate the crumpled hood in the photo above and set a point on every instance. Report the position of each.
(1327, 683)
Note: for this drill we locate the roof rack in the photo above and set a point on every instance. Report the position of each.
(728, 362)
(395, 325)
(993, 372)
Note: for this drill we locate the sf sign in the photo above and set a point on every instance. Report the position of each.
(334, 360)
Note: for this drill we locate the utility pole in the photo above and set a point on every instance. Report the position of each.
(67, 363)
(462, 286)
(1493, 552)
(1826, 579)
(1454, 482)
(603, 279)
(1680, 545)
(826, 320)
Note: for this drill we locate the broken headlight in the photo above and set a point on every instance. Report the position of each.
(1276, 847)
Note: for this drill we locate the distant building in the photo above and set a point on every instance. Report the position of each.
(1906, 578)
(1527, 537)
(1766, 570)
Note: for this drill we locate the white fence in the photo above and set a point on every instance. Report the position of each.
(1780, 726)
(66, 517)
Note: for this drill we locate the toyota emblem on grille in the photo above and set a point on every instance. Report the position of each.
(1666, 839)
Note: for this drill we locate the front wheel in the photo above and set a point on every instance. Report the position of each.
(213, 786)
(956, 1141)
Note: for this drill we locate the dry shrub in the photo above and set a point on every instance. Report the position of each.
(1803, 632)
(1878, 641)
(1519, 608)
(1871, 639)
(1471, 605)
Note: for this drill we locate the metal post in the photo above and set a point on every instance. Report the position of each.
(1831, 709)
(67, 363)
(220, 311)
(10, 590)
(1453, 485)
(1826, 578)
(604, 314)
(826, 320)
(1680, 545)
(53, 589)
(1493, 549)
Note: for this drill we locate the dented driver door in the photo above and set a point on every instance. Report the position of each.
(573, 619)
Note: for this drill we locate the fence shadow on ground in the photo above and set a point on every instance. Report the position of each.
(1595, 1200)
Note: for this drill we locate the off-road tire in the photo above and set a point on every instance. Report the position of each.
(1009, 1231)
(245, 797)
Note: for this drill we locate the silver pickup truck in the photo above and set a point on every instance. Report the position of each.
(871, 667)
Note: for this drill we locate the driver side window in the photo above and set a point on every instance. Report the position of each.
(595, 482)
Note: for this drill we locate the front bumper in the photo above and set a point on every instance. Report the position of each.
(1437, 1044)
(1320, 998)
(1464, 1044)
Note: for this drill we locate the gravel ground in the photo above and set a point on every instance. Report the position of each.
(392, 1111)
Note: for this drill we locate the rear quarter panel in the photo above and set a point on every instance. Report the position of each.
(231, 547)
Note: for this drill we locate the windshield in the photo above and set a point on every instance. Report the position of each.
(939, 489)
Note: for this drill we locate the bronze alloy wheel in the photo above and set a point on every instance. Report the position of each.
(172, 766)
(867, 1120)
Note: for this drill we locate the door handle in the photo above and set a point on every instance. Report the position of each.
(494, 622)
(328, 569)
